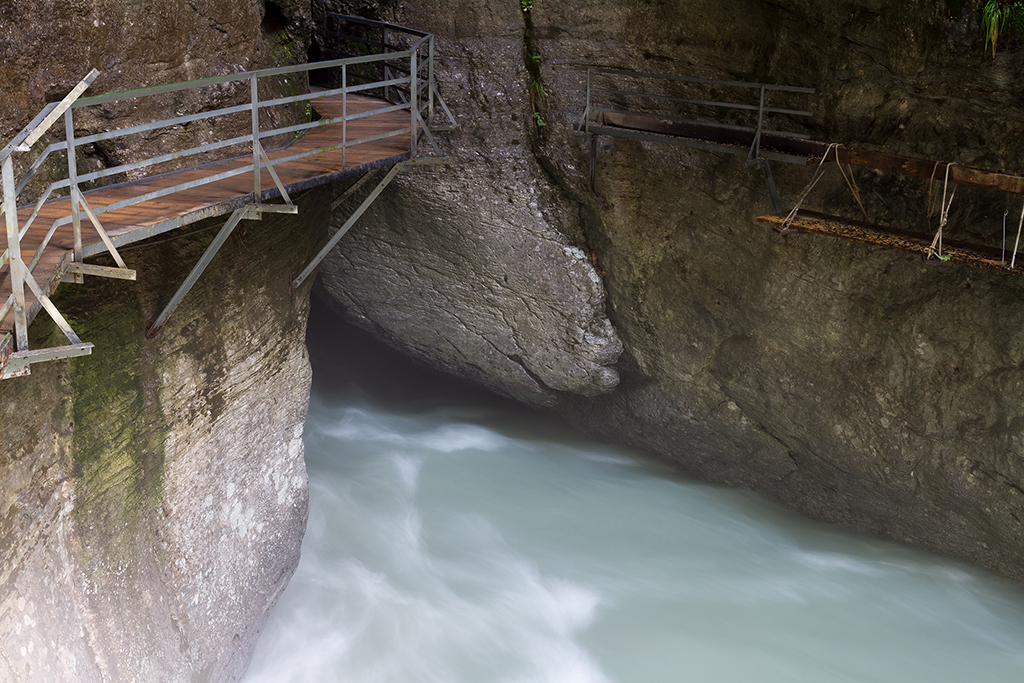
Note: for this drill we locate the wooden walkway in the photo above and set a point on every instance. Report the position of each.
(146, 219)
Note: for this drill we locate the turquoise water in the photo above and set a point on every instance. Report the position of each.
(456, 539)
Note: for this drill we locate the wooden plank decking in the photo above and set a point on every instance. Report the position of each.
(143, 220)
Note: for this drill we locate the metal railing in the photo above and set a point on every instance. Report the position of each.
(409, 72)
(618, 99)
(649, 106)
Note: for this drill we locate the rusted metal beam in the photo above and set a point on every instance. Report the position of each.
(865, 233)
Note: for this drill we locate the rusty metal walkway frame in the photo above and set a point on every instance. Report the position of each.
(617, 108)
(410, 53)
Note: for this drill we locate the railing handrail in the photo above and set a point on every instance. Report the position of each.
(224, 111)
(416, 92)
(760, 107)
(237, 76)
(709, 103)
(618, 120)
(227, 78)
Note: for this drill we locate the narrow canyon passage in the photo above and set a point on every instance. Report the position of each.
(454, 537)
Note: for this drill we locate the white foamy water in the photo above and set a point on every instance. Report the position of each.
(462, 545)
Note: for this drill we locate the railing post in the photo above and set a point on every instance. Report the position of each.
(586, 112)
(76, 219)
(755, 146)
(344, 113)
(430, 80)
(256, 184)
(14, 254)
(387, 69)
(413, 103)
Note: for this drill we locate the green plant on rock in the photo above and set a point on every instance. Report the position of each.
(536, 96)
(527, 5)
(997, 15)
(537, 92)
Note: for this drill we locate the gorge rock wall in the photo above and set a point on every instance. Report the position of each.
(858, 385)
(153, 495)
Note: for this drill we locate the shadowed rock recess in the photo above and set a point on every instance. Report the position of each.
(153, 495)
(858, 385)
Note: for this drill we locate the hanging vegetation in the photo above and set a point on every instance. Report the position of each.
(999, 15)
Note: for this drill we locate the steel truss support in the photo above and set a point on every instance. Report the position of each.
(754, 157)
(250, 212)
(772, 190)
(351, 219)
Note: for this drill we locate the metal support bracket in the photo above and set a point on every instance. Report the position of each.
(19, 363)
(80, 198)
(430, 136)
(755, 147)
(251, 212)
(348, 224)
(44, 300)
(75, 268)
(273, 175)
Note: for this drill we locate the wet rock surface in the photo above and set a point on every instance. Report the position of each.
(155, 493)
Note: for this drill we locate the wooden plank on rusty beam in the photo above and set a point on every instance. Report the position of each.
(866, 233)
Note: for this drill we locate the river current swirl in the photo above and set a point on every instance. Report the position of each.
(456, 540)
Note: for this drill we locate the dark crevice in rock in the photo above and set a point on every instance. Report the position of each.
(274, 18)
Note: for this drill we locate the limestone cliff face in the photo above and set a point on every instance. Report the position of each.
(47, 46)
(858, 385)
(153, 495)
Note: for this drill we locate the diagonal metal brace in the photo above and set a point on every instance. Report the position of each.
(80, 198)
(273, 175)
(43, 299)
(251, 212)
(348, 224)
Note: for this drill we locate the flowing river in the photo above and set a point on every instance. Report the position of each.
(454, 538)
